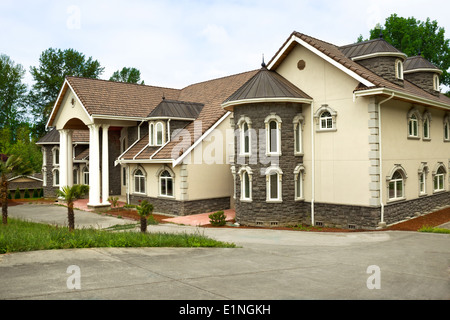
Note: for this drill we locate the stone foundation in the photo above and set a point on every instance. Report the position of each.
(183, 208)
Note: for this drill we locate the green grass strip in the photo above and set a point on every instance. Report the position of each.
(434, 230)
(19, 236)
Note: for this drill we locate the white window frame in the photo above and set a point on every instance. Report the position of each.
(153, 128)
(399, 69)
(242, 172)
(298, 134)
(414, 120)
(390, 180)
(299, 176)
(161, 125)
(436, 84)
(166, 179)
(44, 156)
(446, 128)
(243, 121)
(56, 156)
(273, 118)
(439, 178)
(423, 173)
(141, 187)
(279, 179)
(44, 176)
(318, 115)
(75, 176)
(56, 176)
(426, 123)
(85, 175)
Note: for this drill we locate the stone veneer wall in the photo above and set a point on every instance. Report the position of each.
(382, 66)
(183, 208)
(423, 80)
(259, 211)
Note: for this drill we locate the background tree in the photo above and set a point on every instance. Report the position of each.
(145, 209)
(130, 75)
(12, 164)
(70, 194)
(54, 66)
(12, 92)
(414, 37)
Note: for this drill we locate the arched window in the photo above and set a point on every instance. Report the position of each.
(396, 185)
(245, 140)
(273, 184)
(413, 126)
(139, 181)
(423, 172)
(245, 174)
(298, 134)
(55, 156)
(159, 134)
(426, 125)
(326, 121)
(447, 128)
(325, 118)
(439, 179)
(166, 184)
(86, 175)
(152, 134)
(298, 179)
(436, 82)
(56, 177)
(399, 69)
(273, 134)
(75, 176)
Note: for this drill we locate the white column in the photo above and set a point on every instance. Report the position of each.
(94, 165)
(69, 158)
(63, 158)
(105, 165)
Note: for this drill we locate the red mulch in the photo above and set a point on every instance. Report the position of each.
(430, 220)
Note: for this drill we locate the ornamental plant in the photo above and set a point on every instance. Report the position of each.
(217, 219)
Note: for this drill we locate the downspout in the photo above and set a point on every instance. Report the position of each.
(382, 223)
(312, 164)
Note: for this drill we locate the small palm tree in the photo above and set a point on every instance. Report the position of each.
(12, 164)
(70, 194)
(144, 210)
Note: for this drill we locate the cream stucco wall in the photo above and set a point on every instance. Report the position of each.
(341, 156)
(67, 111)
(398, 149)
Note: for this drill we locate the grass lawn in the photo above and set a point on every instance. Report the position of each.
(19, 235)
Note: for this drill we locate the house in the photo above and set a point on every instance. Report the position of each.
(355, 136)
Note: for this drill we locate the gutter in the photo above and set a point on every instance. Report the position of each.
(382, 223)
(312, 164)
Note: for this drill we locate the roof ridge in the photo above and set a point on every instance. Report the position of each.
(123, 83)
(215, 79)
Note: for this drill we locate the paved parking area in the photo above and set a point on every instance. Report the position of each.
(268, 265)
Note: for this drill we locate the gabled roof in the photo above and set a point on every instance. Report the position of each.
(263, 86)
(176, 109)
(371, 83)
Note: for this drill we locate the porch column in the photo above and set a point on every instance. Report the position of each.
(94, 165)
(63, 156)
(69, 158)
(105, 165)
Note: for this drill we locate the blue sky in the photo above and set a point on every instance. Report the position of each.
(177, 43)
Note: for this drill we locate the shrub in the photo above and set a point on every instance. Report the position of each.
(35, 193)
(217, 218)
(26, 195)
(17, 194)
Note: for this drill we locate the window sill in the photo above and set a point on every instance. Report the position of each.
(166, 197)
(246, 200)
(298, 154)
(413, 138)
(439, 191)
(326, 130)
(426, 139)
(299, 199)
(274, 201)
(423, 194)
(395, 200)
(139, 194)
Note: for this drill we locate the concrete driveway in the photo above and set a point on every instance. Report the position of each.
(268, 265)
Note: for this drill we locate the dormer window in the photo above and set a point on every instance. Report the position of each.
(399, 69)
(436, 82)
(156, 133)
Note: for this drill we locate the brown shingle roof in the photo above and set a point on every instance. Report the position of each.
(101, 97)
(336, 54)
(78, 136)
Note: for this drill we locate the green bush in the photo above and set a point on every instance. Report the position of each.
(26, 195)
(35, 193)
(9, 195)
(217, 218)
(17, 194)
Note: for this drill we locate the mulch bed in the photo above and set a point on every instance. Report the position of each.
(430, 220)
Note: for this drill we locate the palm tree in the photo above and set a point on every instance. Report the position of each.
(70, 194)
(12, 164)
(144, 210)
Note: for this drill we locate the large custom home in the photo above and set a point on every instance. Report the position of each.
(356, 136)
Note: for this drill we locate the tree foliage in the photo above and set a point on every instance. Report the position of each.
(12, 92)
(70, 194)
(414, 37)
(54, 66)
(129, 75)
